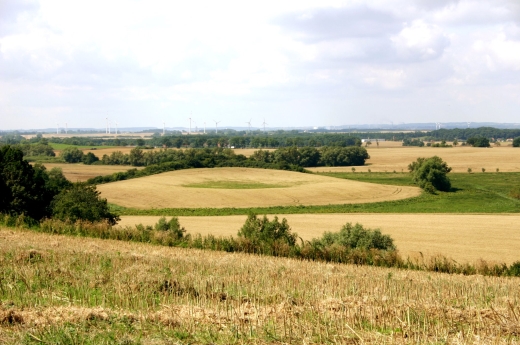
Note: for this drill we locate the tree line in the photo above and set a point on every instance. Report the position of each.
(291, 158)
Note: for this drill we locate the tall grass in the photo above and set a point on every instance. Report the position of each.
(315, 250)
(71, 290)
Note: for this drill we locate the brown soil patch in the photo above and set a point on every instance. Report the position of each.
(167, 190)
(465, 238)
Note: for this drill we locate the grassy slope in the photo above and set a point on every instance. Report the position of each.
(472, 193)
(61, 289)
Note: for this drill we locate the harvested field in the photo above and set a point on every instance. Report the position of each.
(172, 189)
(59, 289)
(81, 172)
(108, 151)
(505, 158)
(465, 238)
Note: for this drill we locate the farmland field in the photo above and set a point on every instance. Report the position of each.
(465, 238)
(189, 188)
(81, 172)
(67, 290)
(388, 159)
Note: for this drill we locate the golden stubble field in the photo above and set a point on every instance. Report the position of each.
(390, 157)
(169, 190)
(462, 237)
(78, 289)
(82, 172)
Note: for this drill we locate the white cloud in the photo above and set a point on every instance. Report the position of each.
(59, 59)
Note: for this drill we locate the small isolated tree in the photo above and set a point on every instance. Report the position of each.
(172, 226)
(262, 231)
(82, 202)
(516, 142)
(72, 155)
(431, 174)
(90, 158)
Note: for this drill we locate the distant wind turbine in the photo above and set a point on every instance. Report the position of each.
(57, 128)
(106, 131)
(190, 124)
(204, 127)
(163, 128)
(216, 126)
(249, 123)
(264, 123)
(66, 128)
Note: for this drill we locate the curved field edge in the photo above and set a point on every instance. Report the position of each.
(471, 193)
(167, 190)
(95, 291)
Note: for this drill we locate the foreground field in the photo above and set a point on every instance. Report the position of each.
(81, 172)
(464, 238)
(388, 159)
(243, 187)
(57, 289)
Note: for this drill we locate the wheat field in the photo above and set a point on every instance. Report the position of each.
(68, 290)
(390, 158)
(178, 189)
(465, 238)
(82, 172)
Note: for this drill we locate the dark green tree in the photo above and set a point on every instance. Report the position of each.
(356, 236)
(478, 142)
(22, 189)
(90, 158)
(262, 231)
(82, 202)
(72, 155)
(431, 174)
(516, 142)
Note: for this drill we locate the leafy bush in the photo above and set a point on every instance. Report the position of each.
(72, 155)
(173, 226)
(430, 174)
(261, 231)
(478, 142)
(516, 142)
(413, 142)
(356, 236)
(90, 158)
(82, 202)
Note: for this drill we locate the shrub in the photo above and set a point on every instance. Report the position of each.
(82, 202)
(478, 142)
(72, 155)
(430, 174)
(516, 142)
(172, 226)
(262, 231)
(90, 158)
(356, 236)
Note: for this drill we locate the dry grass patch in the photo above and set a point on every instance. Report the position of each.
(466, 238)
(159, 295)
(81, 172)
(459, 158)
(167, 190)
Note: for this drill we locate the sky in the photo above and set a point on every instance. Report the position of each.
(285, 63)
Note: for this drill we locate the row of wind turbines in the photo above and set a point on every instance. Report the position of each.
(216, 125)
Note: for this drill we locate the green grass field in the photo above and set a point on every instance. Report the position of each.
(471, 193)
(58, 146)
(233, 185)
